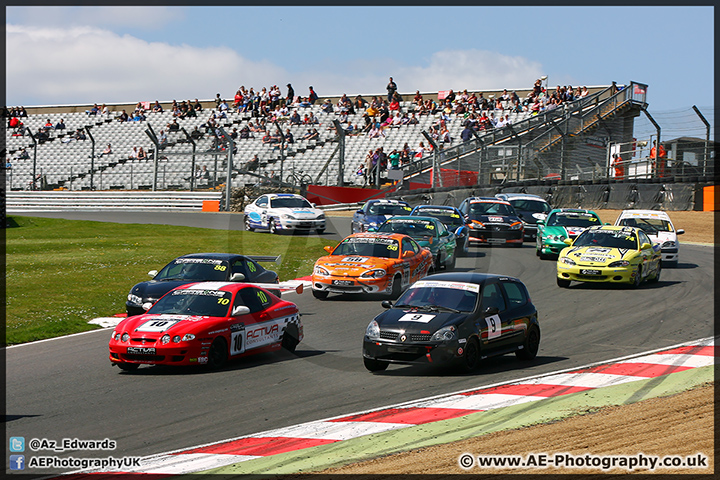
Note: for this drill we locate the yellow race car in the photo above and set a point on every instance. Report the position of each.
(612, 254)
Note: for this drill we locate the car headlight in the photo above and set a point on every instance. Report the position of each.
(619, 263)
(558, 238)
(668, 244)
(134, 299)
(125, 337)
(567, 261)
(321, 271)
(321, 216)
(475, 224)
(115, 336)
(444, 334)
(187, 337)
(375, 273)
(288, 217)
(165, 339)
(373, 330)
(516, 226)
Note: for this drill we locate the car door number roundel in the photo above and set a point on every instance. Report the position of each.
(494, 326)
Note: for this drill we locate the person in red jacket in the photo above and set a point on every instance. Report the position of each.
(619, 167)
(659, 169)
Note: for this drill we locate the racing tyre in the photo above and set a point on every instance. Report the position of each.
(272, 226)
(563, 283)
(463, 252)
(531, 345)
(128, 367)
(656, 277)
(247, 225)
(290, 339)
(374, 365)
(471, 356)
(638, 279)
(451, 265)
(396, 288)
(320, 294)
(218, 353)
(320, 231)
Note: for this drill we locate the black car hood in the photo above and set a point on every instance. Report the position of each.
(417, 321)
(157, 288)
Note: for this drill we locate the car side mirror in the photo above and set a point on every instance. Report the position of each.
(645, 246)
(359, 211)
(445, 233)
(492, 311)
(386, 304)
(240, 310)
(237, 277)
(408, 253)
(152, 273)
(680, 232)
(567, 241)
(328, 248)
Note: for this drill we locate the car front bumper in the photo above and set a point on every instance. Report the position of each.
(495, 237)
(153, 354)
(582, 273)
(301, 224)
(411, 352)
(338, 284)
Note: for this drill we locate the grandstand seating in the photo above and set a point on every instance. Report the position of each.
(68, 164)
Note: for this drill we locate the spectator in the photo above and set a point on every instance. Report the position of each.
(327, 106)
(196, 134)
(376, 131)
(413, 120)
(584, 92)
(289, 137)
(104, 110)
(94, 110)
(60, 125)
(311, 134)
(245, 133)
(394, 103)
(394, 159)
(198, 106)
(295, 118)
(123, 117)
(218, 100)
(467, 133)
(157, 108)
(312, 97)
(391, 89)
(290, 98)
(418, 99)
(618, 166)
(22, 155)
(173, 126)
(163, 139)
(107, 151)
(48, 125)
(252, 164)
(141, 155)
(360, 103)
(133, 155)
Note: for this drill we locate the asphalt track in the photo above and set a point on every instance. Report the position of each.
(66, 388)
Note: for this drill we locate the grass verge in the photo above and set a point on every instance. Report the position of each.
(62, 273)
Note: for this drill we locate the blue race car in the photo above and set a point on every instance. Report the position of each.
(375, 212)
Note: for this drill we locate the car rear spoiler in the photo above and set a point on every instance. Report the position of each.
(266, 258)
(294, 286)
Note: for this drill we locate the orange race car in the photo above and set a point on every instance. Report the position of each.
(371, 263)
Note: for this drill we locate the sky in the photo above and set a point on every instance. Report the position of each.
(82, 55)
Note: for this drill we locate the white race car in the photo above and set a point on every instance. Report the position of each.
(278, 212)
(658, 226)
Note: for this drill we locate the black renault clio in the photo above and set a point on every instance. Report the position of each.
(458, 317)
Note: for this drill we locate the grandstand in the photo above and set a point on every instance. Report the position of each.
(561, 142)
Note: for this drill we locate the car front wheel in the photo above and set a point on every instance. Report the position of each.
(247, 225)
(471, 356)
(128, 367)
(374, 365)
(562, 283)
(320, 294)
(218, 354)
(272, 226)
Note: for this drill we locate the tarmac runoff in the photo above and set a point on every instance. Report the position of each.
(546, 410)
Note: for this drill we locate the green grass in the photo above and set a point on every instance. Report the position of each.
(62, 273)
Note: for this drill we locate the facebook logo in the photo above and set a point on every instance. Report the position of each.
(17, 462)
(17, 444)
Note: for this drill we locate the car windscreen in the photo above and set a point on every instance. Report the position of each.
(651, 226)
(572, 219)
(607, 238)
(490, 208)
(448, 217)
(388, 209)
(368, 247)
(532, 206)
(194, 269)
(188, 301)
(289, 202)
(413, 228)
(426, 294)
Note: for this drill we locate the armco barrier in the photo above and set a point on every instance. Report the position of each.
(617, 196)
(58, 201)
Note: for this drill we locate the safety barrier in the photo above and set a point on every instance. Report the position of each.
(44, 201)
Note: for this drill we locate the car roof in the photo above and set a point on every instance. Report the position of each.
(469, 277)
(644, 214)
(521, 196)
(387, 200)
(223, 286)
(572, 210)
(391, 236)
(213, 256)
(438, 207)
(488, 200)
(612, 227)
(414, 218)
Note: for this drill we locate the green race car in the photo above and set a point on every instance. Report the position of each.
(562, 223)
(429, 232)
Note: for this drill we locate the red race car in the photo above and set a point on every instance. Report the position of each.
(206, 324)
